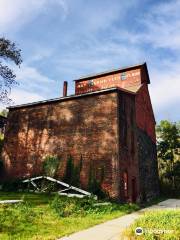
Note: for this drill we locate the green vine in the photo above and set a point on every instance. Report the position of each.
(72, 172)
(50, 165)
(94, 185)
(72, 176)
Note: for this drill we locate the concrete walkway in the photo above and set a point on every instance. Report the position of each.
(111, 230)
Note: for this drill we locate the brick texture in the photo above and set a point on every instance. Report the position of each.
(84, 127)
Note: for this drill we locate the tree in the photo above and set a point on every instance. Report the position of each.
(8, 51)
(4, 113)
(168, 146)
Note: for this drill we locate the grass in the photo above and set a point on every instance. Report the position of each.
(46, 217)
(156, 225)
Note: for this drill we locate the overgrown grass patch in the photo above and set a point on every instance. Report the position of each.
(46, 217)
(157, 224)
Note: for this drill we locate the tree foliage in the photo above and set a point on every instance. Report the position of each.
(8, 51)
(4, 113)
(168, 147)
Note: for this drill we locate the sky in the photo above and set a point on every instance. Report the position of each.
(65, 39)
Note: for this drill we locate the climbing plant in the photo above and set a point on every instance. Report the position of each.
(94, 185)
(50, 165)
(72, 176)
(72, 172)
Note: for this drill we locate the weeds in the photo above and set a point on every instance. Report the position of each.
(159, 224)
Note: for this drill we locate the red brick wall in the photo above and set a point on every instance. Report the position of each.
(84, 126)
(132, 78)
(146, 146)
(128, 147)
(144, 112)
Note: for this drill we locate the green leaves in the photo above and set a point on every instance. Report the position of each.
(76, 207)
(72, 172)
(50, 165)
(168, 148)
(8, 51)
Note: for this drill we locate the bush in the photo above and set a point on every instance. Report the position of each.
(66, 207)
(50, 165)
(12, 185)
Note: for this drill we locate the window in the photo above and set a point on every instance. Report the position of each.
(123, 76)
(90, 83)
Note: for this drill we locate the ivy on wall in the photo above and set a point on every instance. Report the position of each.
(72, 172)
(50, 165)
(72, 176)
(94, 185)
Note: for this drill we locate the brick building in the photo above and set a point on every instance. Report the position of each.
(108, 124)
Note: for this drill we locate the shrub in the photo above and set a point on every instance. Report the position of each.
(66, 207)
(12, 185)
(50, 166)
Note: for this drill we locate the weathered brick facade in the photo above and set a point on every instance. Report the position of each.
(110, 129)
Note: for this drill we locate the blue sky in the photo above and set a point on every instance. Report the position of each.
(65, 39)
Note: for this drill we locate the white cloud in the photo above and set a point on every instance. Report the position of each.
(31, 79)
(162, 25)
(39, 54)
(15, 14)
(32, 86)
(20, 96)
(26, 74)
(165, 88)
(159, 26)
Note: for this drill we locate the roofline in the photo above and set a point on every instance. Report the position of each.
(71, 97)
(112, 71)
